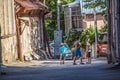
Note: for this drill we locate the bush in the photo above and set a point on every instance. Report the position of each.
(87, 33)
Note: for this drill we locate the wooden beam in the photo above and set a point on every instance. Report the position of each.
(18, 39)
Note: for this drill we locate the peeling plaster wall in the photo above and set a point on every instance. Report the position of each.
(32, 35)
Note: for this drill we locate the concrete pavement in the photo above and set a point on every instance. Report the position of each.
(52, 70)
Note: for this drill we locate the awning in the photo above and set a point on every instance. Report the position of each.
(27, 5)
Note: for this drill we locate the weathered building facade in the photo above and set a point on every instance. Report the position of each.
(22, 28)
(73, 16)
(88, 21)
(113, 31)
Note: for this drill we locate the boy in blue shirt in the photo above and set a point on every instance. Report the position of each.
(63, 50)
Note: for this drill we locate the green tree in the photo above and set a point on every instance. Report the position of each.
(96, 4)
(90, 33)
(91, 4)
(51, 22)
(104, 29)
(87, 33)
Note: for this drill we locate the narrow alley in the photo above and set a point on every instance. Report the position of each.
(31, 33)
(99, 69)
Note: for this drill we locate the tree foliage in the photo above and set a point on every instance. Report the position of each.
(90, 33)
(51, 22)
(91, 4)
(87, 33)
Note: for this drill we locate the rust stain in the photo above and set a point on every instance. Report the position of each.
(27, 5)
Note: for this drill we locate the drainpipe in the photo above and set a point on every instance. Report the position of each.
(18, 39)
(109, 32)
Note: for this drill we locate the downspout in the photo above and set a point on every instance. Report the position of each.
(19, 50)
(109, 32)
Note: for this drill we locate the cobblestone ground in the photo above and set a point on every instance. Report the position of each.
(52, 70)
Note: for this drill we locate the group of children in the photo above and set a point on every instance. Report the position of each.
(77, 52)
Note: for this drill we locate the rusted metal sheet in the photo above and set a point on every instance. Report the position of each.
(27, 6)
(7, 32)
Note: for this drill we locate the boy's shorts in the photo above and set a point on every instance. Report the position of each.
(62, 56)
(88, 54)
(77, 52)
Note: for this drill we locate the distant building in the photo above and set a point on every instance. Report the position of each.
(73, 16)
(78, 18)
(88, 17)
(89, 21)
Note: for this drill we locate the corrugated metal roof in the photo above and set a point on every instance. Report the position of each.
(28, 5)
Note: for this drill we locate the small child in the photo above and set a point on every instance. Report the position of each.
(88, 51)
(63, 50)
